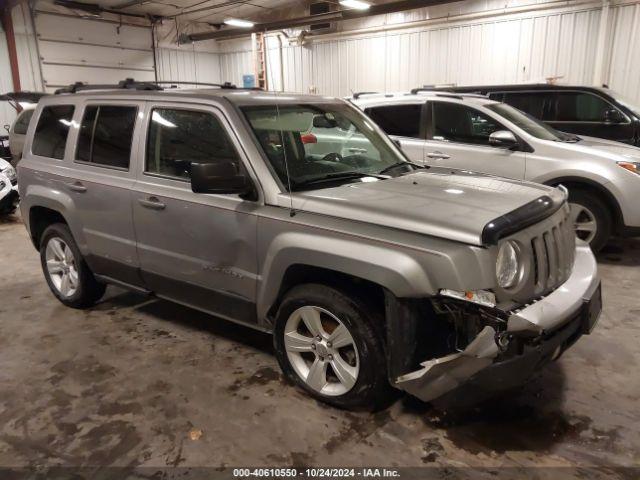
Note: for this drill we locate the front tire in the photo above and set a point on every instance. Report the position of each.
(591, 218)
(67, 274)
(327, 345)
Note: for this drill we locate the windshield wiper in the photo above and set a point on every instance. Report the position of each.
(336, 176)
(398, 164)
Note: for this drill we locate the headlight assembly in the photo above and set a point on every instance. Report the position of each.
(508, 265)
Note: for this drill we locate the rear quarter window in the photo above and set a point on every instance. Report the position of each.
(22, 122)
(51, 133)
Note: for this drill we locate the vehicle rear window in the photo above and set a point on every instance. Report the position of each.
(52, 130)
(401, 120)
(537, 104)
(106, 134)
(178, 138)
(22, 122)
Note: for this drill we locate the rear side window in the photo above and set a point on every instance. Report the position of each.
(52, 131)
(22, 122)
(106, 134)
(401, 120)
(580, 107)
(178, 138)
(537, 104)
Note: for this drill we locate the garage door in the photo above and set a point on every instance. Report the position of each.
(94, 51)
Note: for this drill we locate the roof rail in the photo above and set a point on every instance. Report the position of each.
(357, 95)
(131, 84)
(128, 83)
(219, 85)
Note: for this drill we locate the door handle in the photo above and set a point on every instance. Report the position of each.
(357, 150)
(152, 202)
(77, 187)
(438, 155)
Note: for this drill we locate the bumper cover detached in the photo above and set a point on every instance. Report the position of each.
(541, 332)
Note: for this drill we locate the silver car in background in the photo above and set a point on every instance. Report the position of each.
(475, 133)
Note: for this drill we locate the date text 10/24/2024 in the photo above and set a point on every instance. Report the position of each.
(328, 473)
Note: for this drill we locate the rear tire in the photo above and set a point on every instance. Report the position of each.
(67, 274)
(340, 358)
(591, 218)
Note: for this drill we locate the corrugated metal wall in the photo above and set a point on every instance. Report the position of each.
(187, 66)
(623, 72)
(520, 47)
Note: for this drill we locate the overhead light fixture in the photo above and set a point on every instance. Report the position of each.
(355, 4)
(236, 22)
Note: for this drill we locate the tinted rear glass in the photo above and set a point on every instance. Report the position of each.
(52, 131)
(401, 120)
(22, 123)
(106, 133)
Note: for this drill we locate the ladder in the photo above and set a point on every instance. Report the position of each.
(260, 60)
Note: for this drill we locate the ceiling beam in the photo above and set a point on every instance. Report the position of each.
(337, 16)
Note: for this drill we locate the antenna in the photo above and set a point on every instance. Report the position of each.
(292, 211)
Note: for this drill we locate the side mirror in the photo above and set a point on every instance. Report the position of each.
(221, 177)
(503, 139)
(613, 116)
(7, 127)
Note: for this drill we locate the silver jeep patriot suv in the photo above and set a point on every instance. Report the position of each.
(369, 271)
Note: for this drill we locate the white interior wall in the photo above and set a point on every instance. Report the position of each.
(7, 113)
(464, 43)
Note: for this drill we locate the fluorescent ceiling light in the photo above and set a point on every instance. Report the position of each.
(236, 22)
(356, 4)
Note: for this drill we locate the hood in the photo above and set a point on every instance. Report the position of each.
(455, 205)
(615, 151)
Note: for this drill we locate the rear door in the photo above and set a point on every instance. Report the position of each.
(405, 123)
(100, 184)
(458, 137)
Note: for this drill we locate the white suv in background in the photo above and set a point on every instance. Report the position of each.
(475, 133)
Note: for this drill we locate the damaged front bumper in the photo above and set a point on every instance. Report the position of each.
(539, 332)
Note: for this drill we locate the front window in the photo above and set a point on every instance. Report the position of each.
(532, 126)
(626, 101)
(317, 145)
(457, 123)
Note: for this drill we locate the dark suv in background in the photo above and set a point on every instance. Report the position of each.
(591, 111)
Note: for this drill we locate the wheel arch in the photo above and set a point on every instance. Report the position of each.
(592, 186)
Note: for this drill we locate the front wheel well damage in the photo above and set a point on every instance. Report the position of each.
(39, 219)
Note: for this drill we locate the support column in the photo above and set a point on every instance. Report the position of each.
(7, 24)
(603, 33)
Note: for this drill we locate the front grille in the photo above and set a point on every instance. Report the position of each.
(553, 253)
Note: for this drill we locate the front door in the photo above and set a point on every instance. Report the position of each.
(458, 137)
(195, 249)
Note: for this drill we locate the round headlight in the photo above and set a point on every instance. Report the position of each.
(507, 265)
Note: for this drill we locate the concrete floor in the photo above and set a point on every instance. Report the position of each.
(141, 382)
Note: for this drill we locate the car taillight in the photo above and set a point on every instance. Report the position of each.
(309, 138)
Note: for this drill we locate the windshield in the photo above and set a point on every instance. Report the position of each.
(624, 100)
(322, 144)
(531, 125)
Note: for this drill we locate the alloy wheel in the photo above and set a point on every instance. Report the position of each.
(321, 350)
(61, 266)
(584, 222)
